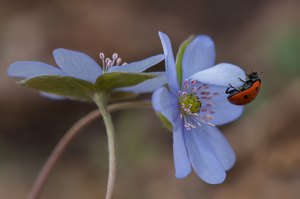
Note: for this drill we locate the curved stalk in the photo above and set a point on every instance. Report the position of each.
(101, 101)
(68, 137)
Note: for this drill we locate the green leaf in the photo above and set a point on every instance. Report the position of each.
(66, 86)
(109, 81)
(179, 58)
(166, 122)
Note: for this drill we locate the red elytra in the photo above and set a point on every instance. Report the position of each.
(246, 93)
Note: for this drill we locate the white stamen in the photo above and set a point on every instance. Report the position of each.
(109, 62)
(211, 124)
(191, 118)
(102, 56)
(119, 61)
(115, 56)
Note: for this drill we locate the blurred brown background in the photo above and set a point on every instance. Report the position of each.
(261, 35)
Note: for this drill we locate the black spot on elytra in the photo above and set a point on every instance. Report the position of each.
(245, 96)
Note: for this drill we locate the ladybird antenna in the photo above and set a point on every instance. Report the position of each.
(251, 70)
(261, 73)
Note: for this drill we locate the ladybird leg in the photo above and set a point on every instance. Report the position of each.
(230, 86)
(228, 91)
(242, 80)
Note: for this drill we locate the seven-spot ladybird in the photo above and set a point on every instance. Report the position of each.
(246, 93)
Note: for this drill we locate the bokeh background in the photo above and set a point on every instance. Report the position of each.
(259, 35)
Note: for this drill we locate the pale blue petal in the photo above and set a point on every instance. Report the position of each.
(77, 64)
(223, 111)
(52, 96)
(29, 69)
(148, 85)
(221, 75)
(181, 159)
(202, 157)
(170, 63)
(199, 55)
(139, 66)
(220, 146)
(165, 103)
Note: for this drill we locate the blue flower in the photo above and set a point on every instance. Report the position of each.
(81, 66)
(195, 106)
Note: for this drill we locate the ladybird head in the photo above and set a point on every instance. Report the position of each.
(253, 76)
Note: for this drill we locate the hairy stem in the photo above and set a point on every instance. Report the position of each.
(68, 137)
(101, 100)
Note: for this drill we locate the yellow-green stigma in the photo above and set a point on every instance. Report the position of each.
(190, 104)
(194, 112)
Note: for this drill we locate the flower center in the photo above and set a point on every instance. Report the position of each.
(193, 111)
(108, 62)
(190, 103)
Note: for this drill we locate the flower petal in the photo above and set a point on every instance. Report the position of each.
(148, 85)
(138, 66)
(221, 75)
(199, 55)
(77, 64)
(170, 63)
(220, 146)
(223, 111)
(165, 103)
(29, 69)
(181, 159)
(202, 157)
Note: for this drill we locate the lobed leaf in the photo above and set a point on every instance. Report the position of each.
(110, 81)
(69, 87)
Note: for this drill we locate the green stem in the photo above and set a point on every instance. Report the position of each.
(101, 101)
(68, 137)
